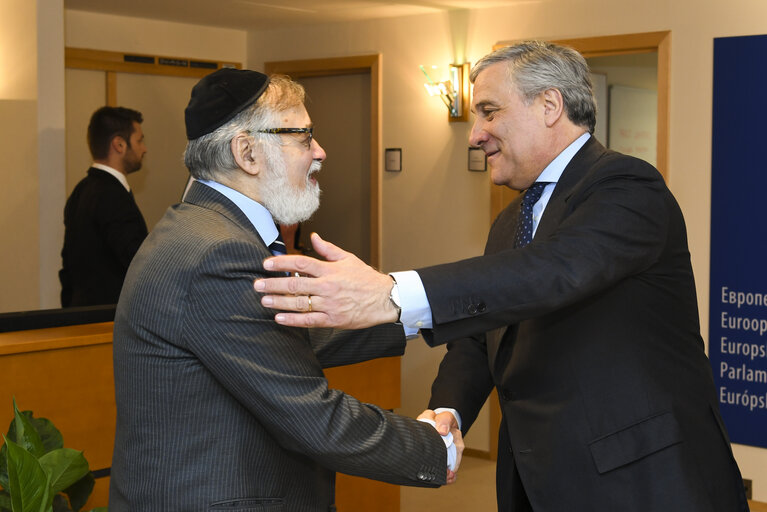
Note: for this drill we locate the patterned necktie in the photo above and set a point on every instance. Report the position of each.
(525, 224)
(278, 246)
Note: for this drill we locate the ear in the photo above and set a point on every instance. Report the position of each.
(553, 106)
(118, 145)
(245, 154)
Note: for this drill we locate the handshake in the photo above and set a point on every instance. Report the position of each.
(447, 426)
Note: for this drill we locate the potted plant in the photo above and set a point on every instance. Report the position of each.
(37, 474)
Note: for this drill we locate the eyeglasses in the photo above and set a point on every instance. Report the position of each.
(308, 131)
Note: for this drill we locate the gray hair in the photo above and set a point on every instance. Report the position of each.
(210, 156)
(535, 66)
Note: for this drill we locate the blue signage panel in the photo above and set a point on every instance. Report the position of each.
(738, 307)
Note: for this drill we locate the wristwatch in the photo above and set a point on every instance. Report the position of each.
(394, 298)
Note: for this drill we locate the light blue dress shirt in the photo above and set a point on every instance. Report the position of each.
(255, 212)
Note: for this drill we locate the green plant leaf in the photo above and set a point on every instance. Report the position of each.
(100, 509)
(65, 466)
(47, 502)
(80, 491)
(50, 435)
(26, 435)
(3, 469)
(29, 483)
(5, 501)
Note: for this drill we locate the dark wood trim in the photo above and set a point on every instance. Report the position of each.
(127, 62)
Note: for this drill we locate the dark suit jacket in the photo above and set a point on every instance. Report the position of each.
(607, 396)
(219, 407)
(103, 229)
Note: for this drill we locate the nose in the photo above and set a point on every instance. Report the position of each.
(477, 136)
(317, 152)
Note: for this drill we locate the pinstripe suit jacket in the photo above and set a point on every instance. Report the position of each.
(220, 408)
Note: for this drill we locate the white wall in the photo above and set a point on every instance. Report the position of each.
(435, 210)
(50, 144)
(19, 201)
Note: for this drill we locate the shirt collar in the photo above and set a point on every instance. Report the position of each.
(114, 172)
(554, 170)
(255, 212)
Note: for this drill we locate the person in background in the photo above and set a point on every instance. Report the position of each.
(219, 407)
(103, 226)
(582, 313)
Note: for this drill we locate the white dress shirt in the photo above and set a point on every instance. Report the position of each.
(114, 172)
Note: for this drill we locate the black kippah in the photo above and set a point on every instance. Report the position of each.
(220, 96)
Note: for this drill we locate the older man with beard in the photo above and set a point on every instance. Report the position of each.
(218, 407)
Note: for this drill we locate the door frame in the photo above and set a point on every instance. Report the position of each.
(621, 44)
(123, 62)
(347, 66)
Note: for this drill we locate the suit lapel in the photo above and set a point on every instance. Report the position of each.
(206, 197)
(583, 160)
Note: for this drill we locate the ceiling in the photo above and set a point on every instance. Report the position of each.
(268, 14)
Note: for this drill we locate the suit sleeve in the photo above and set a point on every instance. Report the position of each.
(464, 381)
(273, 372)
(615, 227)
(341, 347)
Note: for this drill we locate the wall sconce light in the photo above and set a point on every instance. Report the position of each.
(453, 91)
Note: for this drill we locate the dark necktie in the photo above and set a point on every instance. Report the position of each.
(525, 223)
(278, 246)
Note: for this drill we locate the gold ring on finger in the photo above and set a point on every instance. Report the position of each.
(309, 300)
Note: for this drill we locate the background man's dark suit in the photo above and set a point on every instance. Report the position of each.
(103, 230)
(607, 396)
(218, 407)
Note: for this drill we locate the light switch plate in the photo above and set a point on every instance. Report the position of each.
(477, 159)
(393, 159)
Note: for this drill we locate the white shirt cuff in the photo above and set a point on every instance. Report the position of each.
(449, 445)
(416, 311)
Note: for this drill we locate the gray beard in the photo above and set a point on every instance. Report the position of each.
(287, 204)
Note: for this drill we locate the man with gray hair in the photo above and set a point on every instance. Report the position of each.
(582, 313)
(218, 407)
